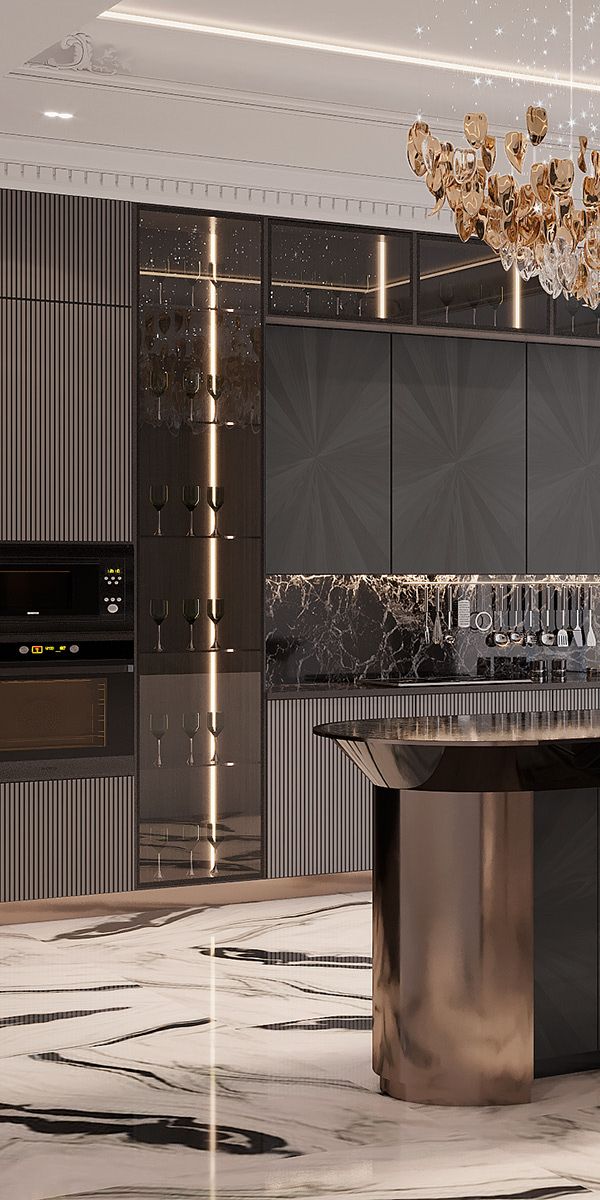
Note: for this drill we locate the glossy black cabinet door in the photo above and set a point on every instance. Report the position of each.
(563, 413)
(565, 925)
(458, 436)
(327, 451)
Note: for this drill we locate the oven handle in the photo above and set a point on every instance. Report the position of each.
(52, 672)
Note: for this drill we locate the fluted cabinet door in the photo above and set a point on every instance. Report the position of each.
(327, 451)
(563, 449)
(65, 433)
(565, 925)
(458, 434)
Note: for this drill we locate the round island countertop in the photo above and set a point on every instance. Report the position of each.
(508, 752)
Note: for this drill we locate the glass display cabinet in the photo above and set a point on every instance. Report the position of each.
(464, 285)
(574, 319)
(200, 554)
(339, 273)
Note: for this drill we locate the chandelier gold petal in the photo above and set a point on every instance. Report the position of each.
(414, 149)
(476, 128)
(516, 149)
(537, 124)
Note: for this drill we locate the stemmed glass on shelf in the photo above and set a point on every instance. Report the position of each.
(190, 495)
(159, 724)
(159, 611)
(215, 497)
(159, 494)
(191, 724)
(191, 612)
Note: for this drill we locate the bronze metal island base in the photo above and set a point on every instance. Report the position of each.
(453, 946)
(453, 892)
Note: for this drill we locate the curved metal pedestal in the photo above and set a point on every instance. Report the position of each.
(453, 946)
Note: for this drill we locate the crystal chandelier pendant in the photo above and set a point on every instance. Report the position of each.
(538, 221)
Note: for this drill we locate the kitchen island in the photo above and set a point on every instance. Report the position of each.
(453, 892)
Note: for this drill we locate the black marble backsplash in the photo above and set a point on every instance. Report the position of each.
(349, 628)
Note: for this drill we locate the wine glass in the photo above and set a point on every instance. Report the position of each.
(159, 382)
(214, 724)
(159, 494)
(214, 611)
(159, 611)
(190, 494)
(158, 875)
(572, 306)
(191, 874)
(159, 724)
(474, 299)
(495, 301)
(191, 612)
(211, 837)
(192, 378)
(191, 724)
(214, 498)
(446, 297)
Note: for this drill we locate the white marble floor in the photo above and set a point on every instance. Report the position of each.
(225, 1052)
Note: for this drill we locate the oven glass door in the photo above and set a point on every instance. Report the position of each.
(66, 590)
(53, 714)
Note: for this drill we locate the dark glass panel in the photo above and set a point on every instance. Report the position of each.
(344, 274)
(574, 319)
(464, 285)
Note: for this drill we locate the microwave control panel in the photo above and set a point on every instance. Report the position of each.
(112, 588)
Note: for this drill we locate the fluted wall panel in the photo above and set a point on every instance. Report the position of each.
(319, 803)
(66, 837)
(65, 433)
(67, 248)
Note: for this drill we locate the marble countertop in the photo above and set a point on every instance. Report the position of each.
(512, 729)
(409, 687)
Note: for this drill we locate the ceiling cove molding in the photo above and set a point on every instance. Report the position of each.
(285, 105)
(223, 185)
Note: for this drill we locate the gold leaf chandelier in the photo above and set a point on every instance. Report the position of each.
(535, 226)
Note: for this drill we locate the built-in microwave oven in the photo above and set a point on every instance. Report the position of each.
(65, 586)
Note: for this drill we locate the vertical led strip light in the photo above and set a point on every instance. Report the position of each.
(382, 277)
(516, 298)
(213, 542)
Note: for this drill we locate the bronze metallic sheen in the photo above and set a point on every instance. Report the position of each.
(453, 893)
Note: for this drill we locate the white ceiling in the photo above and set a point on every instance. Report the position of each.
(196, 106)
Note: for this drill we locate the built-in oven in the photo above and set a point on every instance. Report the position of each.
(65, 586)
(66, 699)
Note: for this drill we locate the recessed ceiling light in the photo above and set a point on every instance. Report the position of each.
(518, 75)
(62, 116)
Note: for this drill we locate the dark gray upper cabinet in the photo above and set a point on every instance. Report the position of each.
(565, 925)
(458, 435)
(327, 451)
(563, 450)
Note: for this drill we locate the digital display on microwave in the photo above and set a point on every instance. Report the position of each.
(52, 591)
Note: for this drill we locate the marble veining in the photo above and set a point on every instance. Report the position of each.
(352, 627)
(236, 1063)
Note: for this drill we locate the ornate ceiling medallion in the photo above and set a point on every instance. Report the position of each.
(531, 222)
